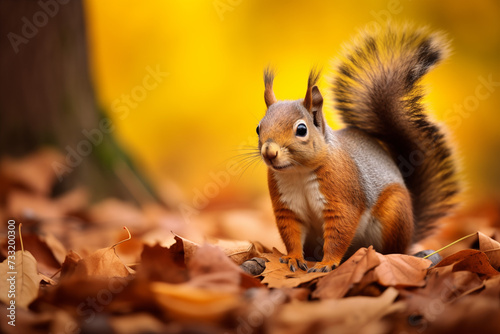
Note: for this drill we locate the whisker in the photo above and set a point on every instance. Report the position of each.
(241, 156)
(246, 166)
(243, 162)
(255, 165)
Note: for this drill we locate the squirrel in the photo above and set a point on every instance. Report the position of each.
(383, 180)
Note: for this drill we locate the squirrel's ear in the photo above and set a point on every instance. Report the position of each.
(316, 109)
(268, 92)
(313, 101)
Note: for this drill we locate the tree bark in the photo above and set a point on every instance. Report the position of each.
(47, 98)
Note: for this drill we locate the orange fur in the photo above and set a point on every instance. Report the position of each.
(339, 183)
(288, 226)
(394, 211)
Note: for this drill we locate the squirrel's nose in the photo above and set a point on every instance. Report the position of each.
(270, 151)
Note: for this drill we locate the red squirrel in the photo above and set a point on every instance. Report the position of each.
(383, 180)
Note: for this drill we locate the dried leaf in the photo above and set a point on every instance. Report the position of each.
(102, 263)
(474, 314)
(443, 287)
(137, 323)
(470, 260)
(188, 246)
(348, 315)
(57, 248)
(401, 270)
(45, 253)
(492, 287)
(68, 267)
(22, 272)
(278, 275)
(210, 268)
(163, 264)
(208, 259)
(366, 267)
(491, 248)
(338, 282)
(241, 251)
(189, 303)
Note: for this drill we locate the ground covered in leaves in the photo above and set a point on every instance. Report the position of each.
(79, 271)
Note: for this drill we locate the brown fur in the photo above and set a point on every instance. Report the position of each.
(288, 226)
(393, 210)
(377, 90)
(339, 183)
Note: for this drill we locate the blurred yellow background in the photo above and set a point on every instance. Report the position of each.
(186, 124)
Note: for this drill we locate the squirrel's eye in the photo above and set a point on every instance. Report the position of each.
(301, 130)
(257, 130)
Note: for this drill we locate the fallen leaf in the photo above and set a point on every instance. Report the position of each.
(210, 268)
(492, 287)
(259, 306)
(57, 248)
(69, 265)
(188, 246)
(23, 275)
(63, 322)
(401, 270)
(189, 303)
(102, 263)
(443, 287)
(470, 260)
(473, 314)
(348, 315)
(338, 282)
(241, 251)
(137, 323)
(491, 248)
(163, 264)
(366, 267)
(208, 259)
(44, 253)
(278, 275)
(89, 296)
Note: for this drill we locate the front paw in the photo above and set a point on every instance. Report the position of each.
(294, 262)
(322, 267)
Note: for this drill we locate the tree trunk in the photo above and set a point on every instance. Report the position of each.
(47, 98)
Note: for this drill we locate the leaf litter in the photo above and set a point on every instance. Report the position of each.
(79, 273)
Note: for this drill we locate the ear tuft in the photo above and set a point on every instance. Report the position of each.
(313, 77)
(269, 97)
(311, 82)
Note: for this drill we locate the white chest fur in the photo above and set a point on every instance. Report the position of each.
(300, 193)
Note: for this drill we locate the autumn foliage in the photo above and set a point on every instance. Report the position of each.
(80, 272)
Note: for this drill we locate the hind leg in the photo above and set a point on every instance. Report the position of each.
(393, 210)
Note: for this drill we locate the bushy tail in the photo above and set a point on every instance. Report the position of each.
(377, 89)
